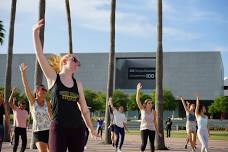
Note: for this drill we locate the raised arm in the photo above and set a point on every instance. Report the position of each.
(85, 110)
(184, 104)
(139, 87)
(197, 106)
(49, 73)
(111, 104)
(11, 100)
(27, 90)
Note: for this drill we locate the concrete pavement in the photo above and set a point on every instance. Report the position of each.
(132, 144)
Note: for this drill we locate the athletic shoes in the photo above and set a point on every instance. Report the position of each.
(185, 147)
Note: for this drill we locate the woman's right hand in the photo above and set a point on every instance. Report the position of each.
(139, 86)
(23, 68)
(38, 25)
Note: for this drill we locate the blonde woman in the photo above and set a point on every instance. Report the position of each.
(148, 125)
(68, 102)
(190, 123)
(202, 122)
(40, 110)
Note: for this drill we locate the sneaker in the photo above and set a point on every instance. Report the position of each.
(85, 148)
(193, 150)
(113, 145)
(185, 147)
(119, 150)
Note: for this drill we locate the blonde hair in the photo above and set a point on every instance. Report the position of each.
(146, 101)
(56, 61)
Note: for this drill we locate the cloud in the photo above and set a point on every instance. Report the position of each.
(177, 34)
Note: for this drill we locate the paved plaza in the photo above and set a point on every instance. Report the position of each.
(132, 143)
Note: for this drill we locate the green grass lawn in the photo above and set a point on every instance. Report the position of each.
(214, 135)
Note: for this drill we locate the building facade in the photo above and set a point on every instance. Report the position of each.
(184, 72)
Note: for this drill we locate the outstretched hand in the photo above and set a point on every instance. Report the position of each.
(139, 86)
(23, 67)
(38, 25)
(94, 134)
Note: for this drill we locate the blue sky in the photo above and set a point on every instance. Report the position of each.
(189, 25)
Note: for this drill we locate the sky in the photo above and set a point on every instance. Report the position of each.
(189, 25)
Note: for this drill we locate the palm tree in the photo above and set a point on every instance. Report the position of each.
(38, 72)
(8, 75)
(1, 32)
(38, 76)
(160, 143)
(110, 70)
(70, 49)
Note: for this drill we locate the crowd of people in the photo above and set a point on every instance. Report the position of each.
(64, 122)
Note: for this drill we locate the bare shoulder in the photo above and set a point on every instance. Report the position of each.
(79, 84)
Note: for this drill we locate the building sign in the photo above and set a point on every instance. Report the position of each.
(141, 73)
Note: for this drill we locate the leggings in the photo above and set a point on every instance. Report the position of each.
(119, 132)
(168, 130)
(1, 136)
(20, 132)
(203, 138)
(144, 137)
(100, 130)
(61, 139)
(86, 135)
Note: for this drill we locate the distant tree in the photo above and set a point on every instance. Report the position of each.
(91, 99)
(169, 102)
(132, 105)
(101, 98)
(220, 104)
(120, 99)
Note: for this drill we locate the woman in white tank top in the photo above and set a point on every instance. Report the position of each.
(40, 110)
(148, 125)
(202, 122)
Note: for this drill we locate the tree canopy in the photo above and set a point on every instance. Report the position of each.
(220, 104)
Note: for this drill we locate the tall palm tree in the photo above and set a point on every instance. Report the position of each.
(110, 70)
(8, 75)
(70, 49)
(2, 35)
(160, 143)
(38, 72)
(38, 76)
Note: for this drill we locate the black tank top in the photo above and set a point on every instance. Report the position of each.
(64, 100)
(2, 112)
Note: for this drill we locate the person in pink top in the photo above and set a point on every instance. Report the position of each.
(20, 116)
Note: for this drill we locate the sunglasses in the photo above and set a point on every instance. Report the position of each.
(43, 89)
(76, 60)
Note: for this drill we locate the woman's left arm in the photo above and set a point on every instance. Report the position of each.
(84, 109)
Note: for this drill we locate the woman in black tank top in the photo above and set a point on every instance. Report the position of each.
(67, 98)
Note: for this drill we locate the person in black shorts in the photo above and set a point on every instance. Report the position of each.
(68, 102)
(40, 110)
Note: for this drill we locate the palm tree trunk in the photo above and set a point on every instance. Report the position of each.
(70, 49)
(38, 76)
(160, 143)
(2, 35)
(110, 70)
(8, 75)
